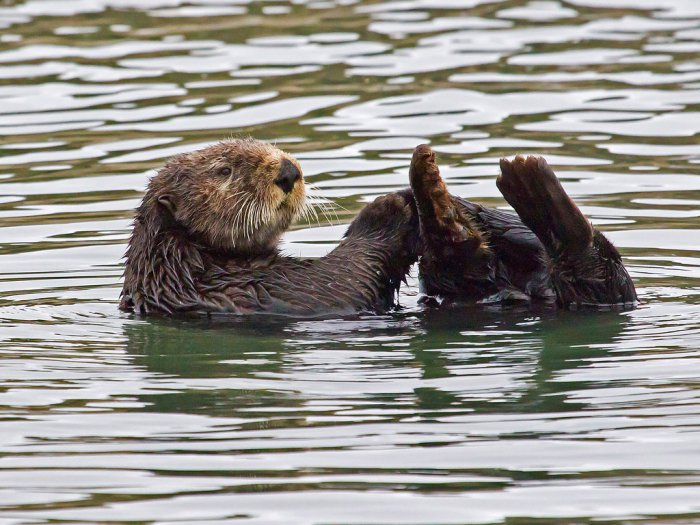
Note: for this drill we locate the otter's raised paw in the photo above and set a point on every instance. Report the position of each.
(533, 190)
(442, 221)
(390, 219)
(456, 260)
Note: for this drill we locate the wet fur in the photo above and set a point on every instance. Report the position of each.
(456, 259)
(205, 242)
(549, 252)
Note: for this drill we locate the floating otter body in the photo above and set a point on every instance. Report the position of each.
(205, 238)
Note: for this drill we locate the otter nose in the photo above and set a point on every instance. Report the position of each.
(288, 176)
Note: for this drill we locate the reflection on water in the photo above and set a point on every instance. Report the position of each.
(466, 416)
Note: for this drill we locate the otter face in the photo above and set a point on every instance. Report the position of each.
(236, 196)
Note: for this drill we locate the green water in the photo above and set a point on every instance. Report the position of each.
(466, 416)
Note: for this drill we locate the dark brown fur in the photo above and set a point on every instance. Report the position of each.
(549, 252)
(456, 259)
(205, 241)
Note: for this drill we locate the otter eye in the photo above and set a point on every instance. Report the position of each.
(225, 171)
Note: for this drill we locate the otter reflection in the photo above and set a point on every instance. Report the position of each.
(482, 359)
(535, 346)
(205, 241)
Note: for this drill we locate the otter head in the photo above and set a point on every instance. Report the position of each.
(235, 197)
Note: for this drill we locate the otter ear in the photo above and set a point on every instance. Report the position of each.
(167, 201)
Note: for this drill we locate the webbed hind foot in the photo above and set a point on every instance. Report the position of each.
(533, 190)
(586, 269)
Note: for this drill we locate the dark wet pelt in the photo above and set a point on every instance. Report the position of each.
(468, 416)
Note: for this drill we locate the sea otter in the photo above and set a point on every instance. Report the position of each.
(205, 241)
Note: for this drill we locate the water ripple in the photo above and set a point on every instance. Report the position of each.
(521, 414)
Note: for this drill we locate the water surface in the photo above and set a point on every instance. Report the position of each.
(475, 416)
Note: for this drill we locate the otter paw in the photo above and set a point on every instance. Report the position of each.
(436, 209)
(387, 216)
(443, 223)
(535, 193)
(456, 260)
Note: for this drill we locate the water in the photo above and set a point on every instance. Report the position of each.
(470, 416)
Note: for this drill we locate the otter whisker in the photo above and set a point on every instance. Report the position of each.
(318, 207)
(242, 212)
(309, 212)
(332, 206)
(234, 225)
(305, 213)
(245, 213)
(250, 220)
(312, 203)
(324, 208)
(338, 205)
(239, 211)
(257, 219)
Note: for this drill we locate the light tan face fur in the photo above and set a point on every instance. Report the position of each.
(226, 196)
